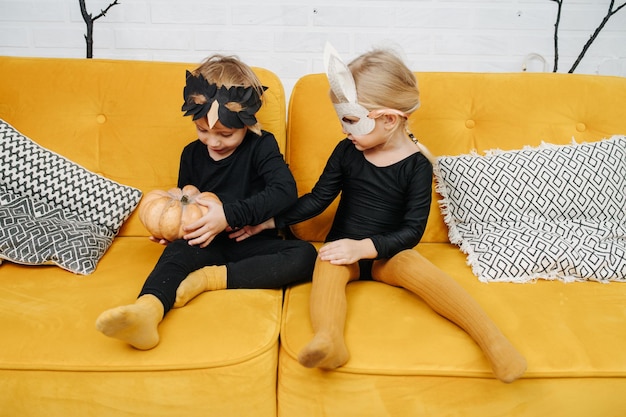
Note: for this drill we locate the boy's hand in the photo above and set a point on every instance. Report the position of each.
(203, 231)
(247, 231)
(347, 251)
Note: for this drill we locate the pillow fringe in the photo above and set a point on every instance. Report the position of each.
(444, 203)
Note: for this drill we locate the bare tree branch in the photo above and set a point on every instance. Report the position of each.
(104, 12)
(87, 17)
(556, 33)
(610, 12)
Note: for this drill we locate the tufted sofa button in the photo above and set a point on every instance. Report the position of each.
(101, 118)
(470, 124)
(581, 127)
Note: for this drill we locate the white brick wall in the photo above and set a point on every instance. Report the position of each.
(287, 37)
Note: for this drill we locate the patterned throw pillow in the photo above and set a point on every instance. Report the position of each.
(29, 169)
(552, 212)
(33, 233)
(53, 210)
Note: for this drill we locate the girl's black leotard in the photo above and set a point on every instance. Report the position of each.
(388, 204)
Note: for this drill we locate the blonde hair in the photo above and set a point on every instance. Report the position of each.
(383, 81)
(230, 71)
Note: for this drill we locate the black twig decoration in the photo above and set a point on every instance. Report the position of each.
(89, 19)
(610, 12)
(559, 4)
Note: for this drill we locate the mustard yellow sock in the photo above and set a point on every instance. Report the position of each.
(135, 324)
(327, 349)
(209, 278)
(408, 269)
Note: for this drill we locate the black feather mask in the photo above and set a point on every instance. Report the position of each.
(235, 107)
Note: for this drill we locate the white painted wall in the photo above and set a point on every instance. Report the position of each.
(287, 37)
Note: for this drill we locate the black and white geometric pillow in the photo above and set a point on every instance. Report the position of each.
(28, 169)
(34, 233)
(552, 212)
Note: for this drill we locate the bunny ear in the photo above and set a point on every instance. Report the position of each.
(339, 76)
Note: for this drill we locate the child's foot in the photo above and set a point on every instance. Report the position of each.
(135, 324)
(321, 352)
(190, 288)
(208, 278)
(507, 363)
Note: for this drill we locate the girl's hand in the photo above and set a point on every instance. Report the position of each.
(203, 231)
(247, 231)
(347, 251)
(163, 242)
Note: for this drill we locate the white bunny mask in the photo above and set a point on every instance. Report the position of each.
(353, 117)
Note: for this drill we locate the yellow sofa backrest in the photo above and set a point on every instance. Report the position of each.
(461, 112)
(121, 119)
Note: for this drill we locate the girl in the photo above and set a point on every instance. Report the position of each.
(242, 164)
(384, 176)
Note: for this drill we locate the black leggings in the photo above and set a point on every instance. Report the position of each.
(257, 262)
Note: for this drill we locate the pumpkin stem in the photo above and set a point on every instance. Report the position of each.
(184, 199)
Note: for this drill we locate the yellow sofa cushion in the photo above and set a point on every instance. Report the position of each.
(217, 355)
(120, 119)
(461, 112)
(406, 360)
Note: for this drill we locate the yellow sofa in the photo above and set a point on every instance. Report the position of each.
(221, 355)
(408, 361)
(218, 356)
